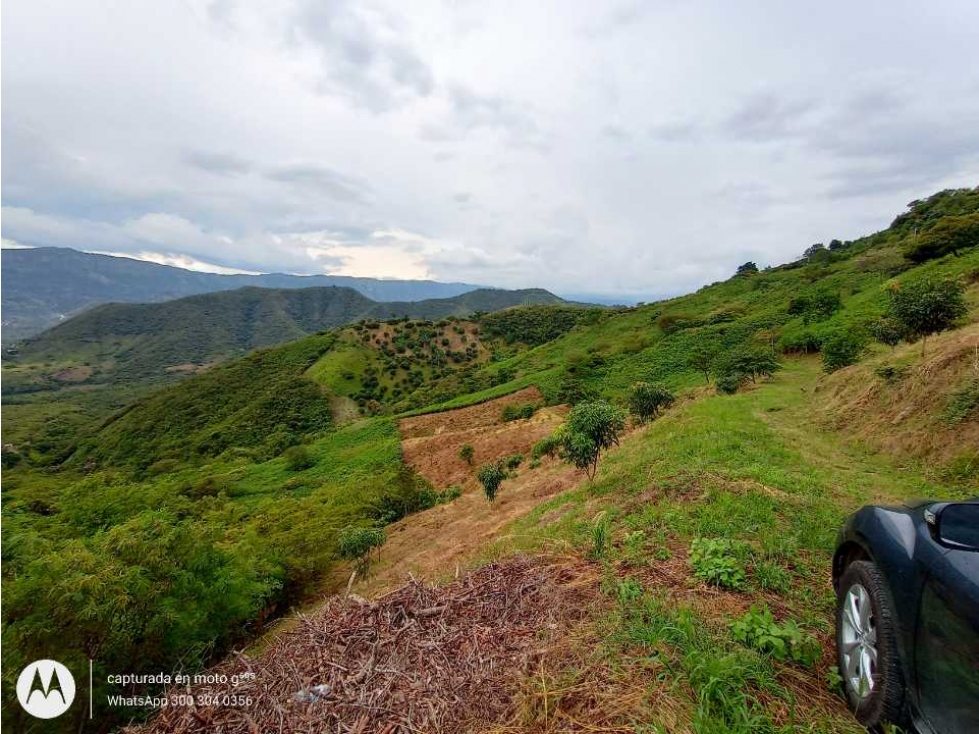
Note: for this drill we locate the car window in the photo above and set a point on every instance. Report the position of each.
(960, 525)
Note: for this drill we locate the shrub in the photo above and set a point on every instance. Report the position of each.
(590, 429)
(647, 400)
(701, 358)
(512, 462)
(516, 411)
(889, 373)
(729, 383)
(467, 453)
(356, 543)
(298, 458)
(948, 236)
(758, 630)
(751, 363)
(816, 306)
(715, 561)
(842, 349)
(925, 307)
(962, 404)
(547, 446)
(491, 476)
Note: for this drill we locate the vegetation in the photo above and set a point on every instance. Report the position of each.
(517, 411)
(591, 428)
(716, 561)
(356, 543)
(647, 400)
(925, 307)
(467, 453)
(491, 476)
(842, 349)
(534, 325)
(758, 630)
(949, 236)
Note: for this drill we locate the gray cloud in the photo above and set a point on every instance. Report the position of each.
(641, 149)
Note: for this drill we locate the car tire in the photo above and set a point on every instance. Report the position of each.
(885, 700)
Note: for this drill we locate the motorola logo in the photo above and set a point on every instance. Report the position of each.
(45, 689)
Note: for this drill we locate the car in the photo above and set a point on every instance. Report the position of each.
(907, 615)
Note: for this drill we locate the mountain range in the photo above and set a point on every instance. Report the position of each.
(45, 285)
(132, 341)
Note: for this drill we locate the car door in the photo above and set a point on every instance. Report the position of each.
(947, 639)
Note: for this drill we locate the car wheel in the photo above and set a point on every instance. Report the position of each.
(866, 646)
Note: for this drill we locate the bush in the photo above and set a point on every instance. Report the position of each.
(491, 476)
(647, 400)
(816, 306)
(842, 349)
(750, 363)
(962, 404)
(949, 236)
(758, 630)
(547, 446)
(467, 453)
(886, 331)
(890, 374)
(512, 462)
(715, 561)
(298, 458)
(590, 429)
(356, 543)
(516, 411)
(729, 383)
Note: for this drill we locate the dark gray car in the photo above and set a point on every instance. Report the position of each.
(907, 615)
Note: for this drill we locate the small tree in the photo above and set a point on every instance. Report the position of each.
(647, 400)
(925, 307)
(886, 331)
(748, 363)
(701, 358)
(842, 349)
(591, 428)
(749, 268)
(491, 476)
(355, 544)
(467, 453)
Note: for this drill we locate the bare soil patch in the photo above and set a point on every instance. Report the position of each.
(474, 416)
(73, 374)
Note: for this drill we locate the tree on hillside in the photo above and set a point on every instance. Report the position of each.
(835, 245)
(886, 331)
(355, 544)
(467, 453)
(950, 235)
(749, 268)
(815, 306)
(702, 358)
(925, 307)
(647, 400)
(814, 251)
(747, 363)
(591, 428)
(491, 476)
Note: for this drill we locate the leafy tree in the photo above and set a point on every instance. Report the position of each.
(729, 382)
(749, 363)
(815, 306)
(925, 307)
(298, 458)
(647, 400)
(814, 252)
(491, 476)
(835, 245)
(886, 331)
(356, 543)
(842, 349)
(702, 357)
(749, 268)
(591, 428)
(950, 235)
(467, 453)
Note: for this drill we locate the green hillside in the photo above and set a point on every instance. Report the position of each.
(205, 508)
(132, 342)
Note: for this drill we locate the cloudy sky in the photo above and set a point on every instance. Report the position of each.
(631, 149)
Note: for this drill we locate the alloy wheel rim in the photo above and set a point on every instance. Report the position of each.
(859, 641)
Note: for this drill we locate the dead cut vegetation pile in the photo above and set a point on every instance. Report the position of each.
(421, 658)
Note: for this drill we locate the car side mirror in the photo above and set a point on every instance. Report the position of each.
(955, 524)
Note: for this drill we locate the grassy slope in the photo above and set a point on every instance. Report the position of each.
(751, 467)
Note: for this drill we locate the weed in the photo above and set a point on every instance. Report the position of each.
(715, 561)
(963, 404)
(772, 577)
(600, 537)
(758, 630)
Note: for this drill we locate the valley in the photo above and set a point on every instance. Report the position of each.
(667, 479)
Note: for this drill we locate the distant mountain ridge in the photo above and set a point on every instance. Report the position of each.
(45, 285)
(131, 341)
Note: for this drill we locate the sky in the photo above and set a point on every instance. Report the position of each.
(631, 150)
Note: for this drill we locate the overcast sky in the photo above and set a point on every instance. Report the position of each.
(632, 149)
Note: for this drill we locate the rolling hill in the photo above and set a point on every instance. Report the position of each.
(45, 285)
(206, 508)
(127, 342)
